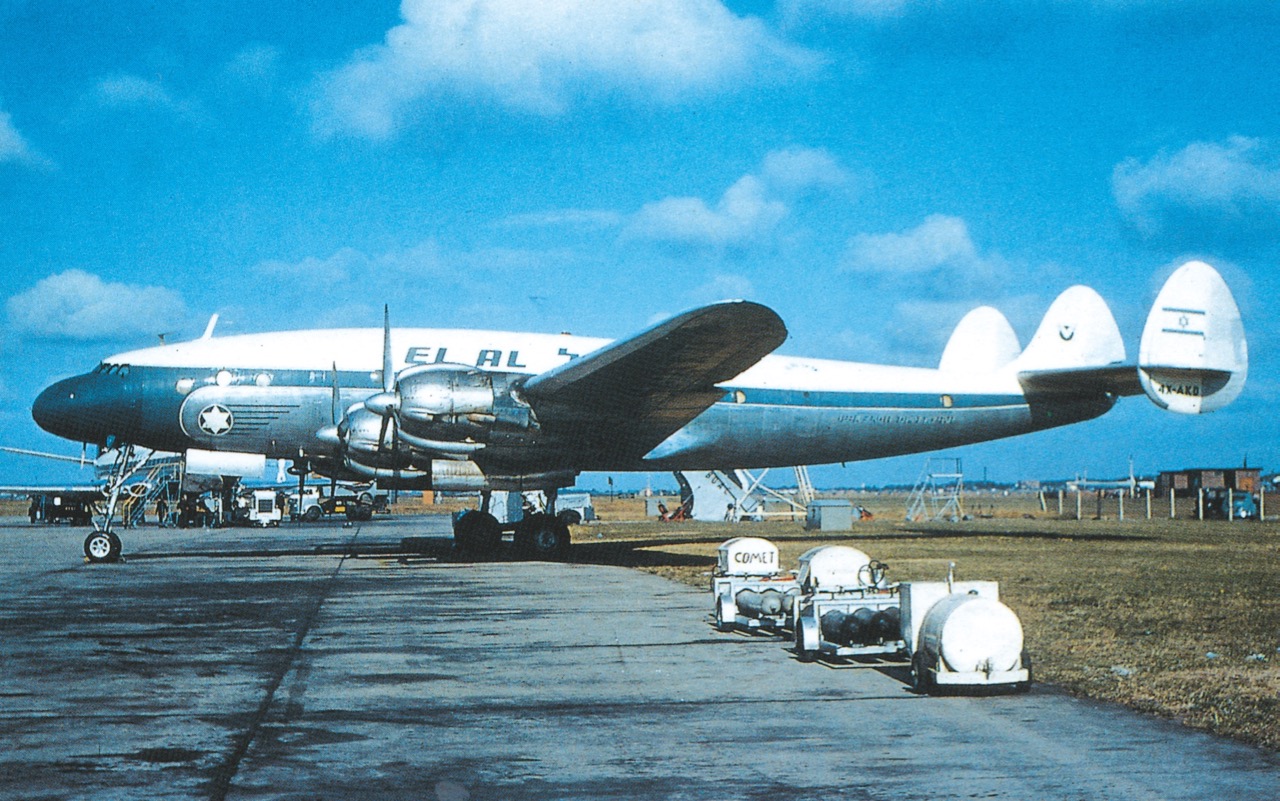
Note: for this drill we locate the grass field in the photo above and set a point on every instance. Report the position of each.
(1179, 618)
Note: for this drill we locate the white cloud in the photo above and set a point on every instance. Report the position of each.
(796, 10)
(14, 147)
(565, 218)
(724, 286)
(1227, 185)
(537, 56)
(743, 213)
(81, 306)
(256, 63)
(124, 91)
(748, 211)
(800, 168)
(348, 264)
(940, 242)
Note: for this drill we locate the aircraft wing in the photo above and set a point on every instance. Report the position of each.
(630, 395)
(1113, 379)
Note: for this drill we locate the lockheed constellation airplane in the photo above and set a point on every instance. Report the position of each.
(489, 410)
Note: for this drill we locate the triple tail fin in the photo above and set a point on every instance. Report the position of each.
(982, 343)
(1077, 332)
(1193, 357)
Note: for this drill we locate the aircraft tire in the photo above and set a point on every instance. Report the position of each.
(476, 534)
(544, 537)
(101, 546)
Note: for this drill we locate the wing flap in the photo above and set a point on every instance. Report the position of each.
(631, 394)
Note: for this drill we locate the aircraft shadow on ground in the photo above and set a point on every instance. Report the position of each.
(654, 553)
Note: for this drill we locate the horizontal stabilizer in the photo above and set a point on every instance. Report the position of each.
(1193, 357)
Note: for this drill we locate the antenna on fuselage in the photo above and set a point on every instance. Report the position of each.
(208, 329)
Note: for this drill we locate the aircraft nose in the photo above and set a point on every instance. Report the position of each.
(83, 409)
(52, 407)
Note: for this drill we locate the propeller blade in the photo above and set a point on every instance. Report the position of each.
(388, 377)
(382, 434)
(336, 399)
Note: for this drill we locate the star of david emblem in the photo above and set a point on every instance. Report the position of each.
(215, 420)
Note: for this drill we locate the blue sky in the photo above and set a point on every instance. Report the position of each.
(871, 169)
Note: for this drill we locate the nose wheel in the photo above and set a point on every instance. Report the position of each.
(102, 546)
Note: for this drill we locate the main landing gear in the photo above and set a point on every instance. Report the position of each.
(540, 535)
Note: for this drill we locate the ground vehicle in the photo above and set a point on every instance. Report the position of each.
(74, 506)
(259, 507)
(318, 503)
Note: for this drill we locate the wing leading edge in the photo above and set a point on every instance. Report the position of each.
(628, 396)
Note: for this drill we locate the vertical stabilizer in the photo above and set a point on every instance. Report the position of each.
(1193, 357)
(1078, 331)
(983, 342)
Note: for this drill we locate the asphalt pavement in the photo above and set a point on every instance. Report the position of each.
(322, 662)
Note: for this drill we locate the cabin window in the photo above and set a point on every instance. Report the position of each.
(739, 396)
(262, 380)
(223, 378)
(947, 401)
(184, 385)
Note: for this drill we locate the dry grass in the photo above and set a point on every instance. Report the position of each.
(1179, 618)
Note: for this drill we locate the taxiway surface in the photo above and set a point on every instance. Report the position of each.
(313, 662)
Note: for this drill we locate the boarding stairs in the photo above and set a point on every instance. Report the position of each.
(939, 492)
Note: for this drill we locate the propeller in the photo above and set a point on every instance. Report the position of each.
(387, 403)
(388, 388)
(332, 434)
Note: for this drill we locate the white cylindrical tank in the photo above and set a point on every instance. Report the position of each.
(972, 634)
(747, 556)
(830, 567)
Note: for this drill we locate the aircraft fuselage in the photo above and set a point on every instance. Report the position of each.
(271, 393)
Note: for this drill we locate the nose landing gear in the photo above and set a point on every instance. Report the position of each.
(102, 546)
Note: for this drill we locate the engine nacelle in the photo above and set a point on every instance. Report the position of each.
(458, 403)
(430, 392)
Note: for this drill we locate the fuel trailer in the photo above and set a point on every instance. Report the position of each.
(748, 588)
(961, 636)
(846, 607)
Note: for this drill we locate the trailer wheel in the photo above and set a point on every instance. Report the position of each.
(920, 674)
(802, 653)
(720, 624)
(1025, 686)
